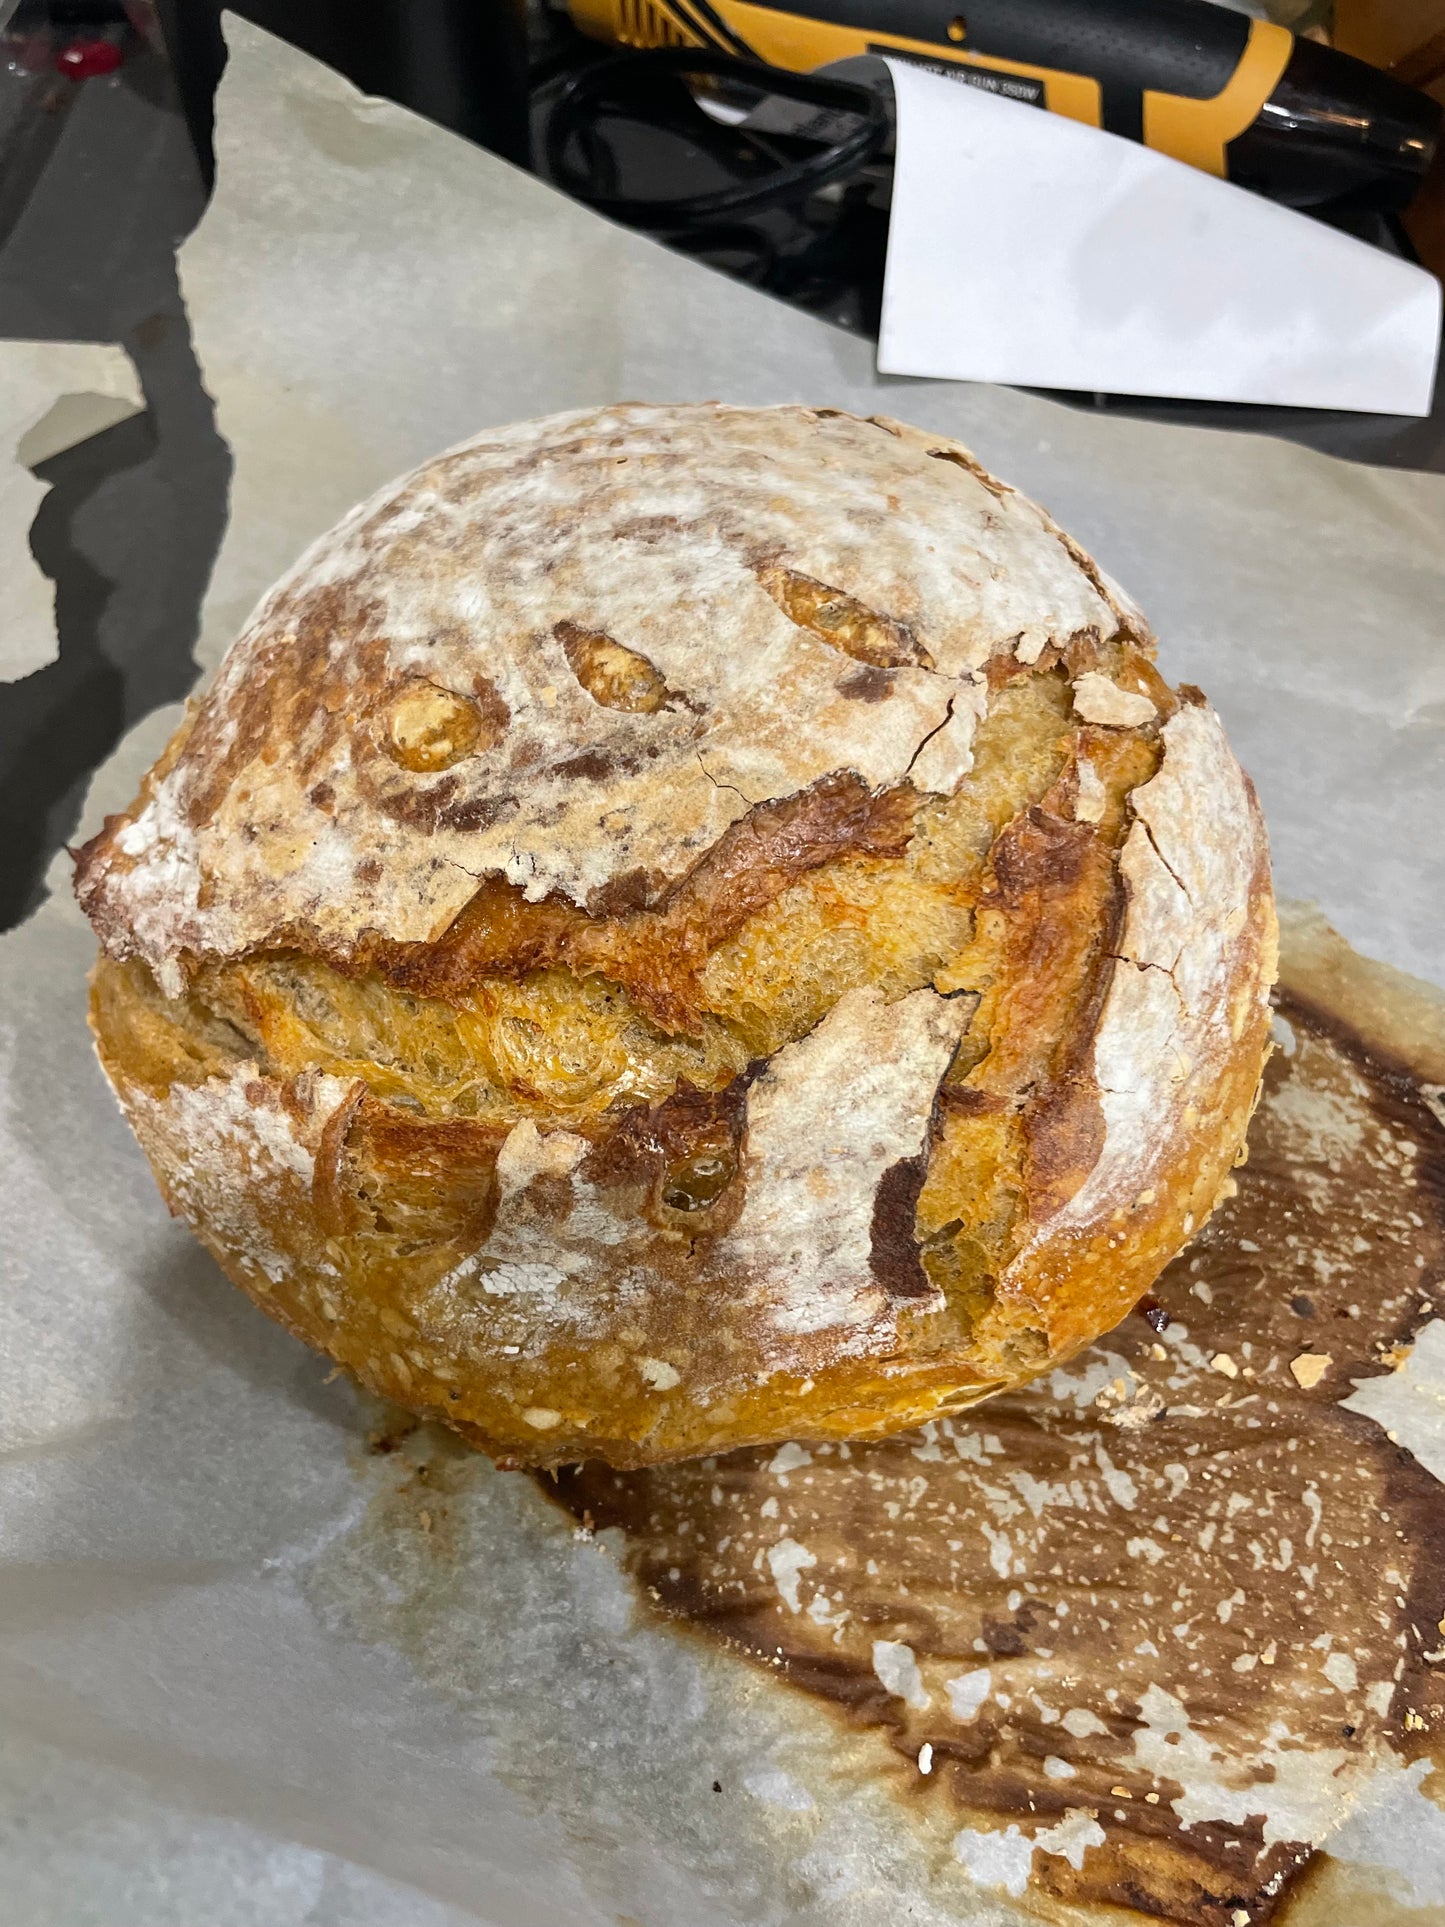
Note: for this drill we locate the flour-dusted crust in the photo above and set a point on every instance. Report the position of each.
(679, 926)
(237, 1154)
(1174, 1057)
(1174, 1012)
(828, 1120)
(672, 532)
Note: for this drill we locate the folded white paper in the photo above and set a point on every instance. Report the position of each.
(1028, 248)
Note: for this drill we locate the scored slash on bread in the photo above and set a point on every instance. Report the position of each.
(679, 927)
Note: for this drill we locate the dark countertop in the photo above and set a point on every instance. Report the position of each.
(134, 516)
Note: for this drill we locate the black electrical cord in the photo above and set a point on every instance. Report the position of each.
(755, 250)
(620, 86)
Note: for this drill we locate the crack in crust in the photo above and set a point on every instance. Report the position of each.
(843, 622)
(656, 948)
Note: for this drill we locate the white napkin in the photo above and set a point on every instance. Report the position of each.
(1030, 249)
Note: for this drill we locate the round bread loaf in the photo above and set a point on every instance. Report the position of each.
(680, 927)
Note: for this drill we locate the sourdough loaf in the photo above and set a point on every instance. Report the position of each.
(676, 927)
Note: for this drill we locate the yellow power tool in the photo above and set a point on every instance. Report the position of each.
(1237, 97)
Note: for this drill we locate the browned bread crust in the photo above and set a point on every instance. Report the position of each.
(681, 927)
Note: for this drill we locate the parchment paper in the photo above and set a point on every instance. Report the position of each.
(199, 1719)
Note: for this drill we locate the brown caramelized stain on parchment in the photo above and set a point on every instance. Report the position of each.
(1174, 1514)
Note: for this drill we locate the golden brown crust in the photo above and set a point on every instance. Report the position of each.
(658, 533)
(828, 1075)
